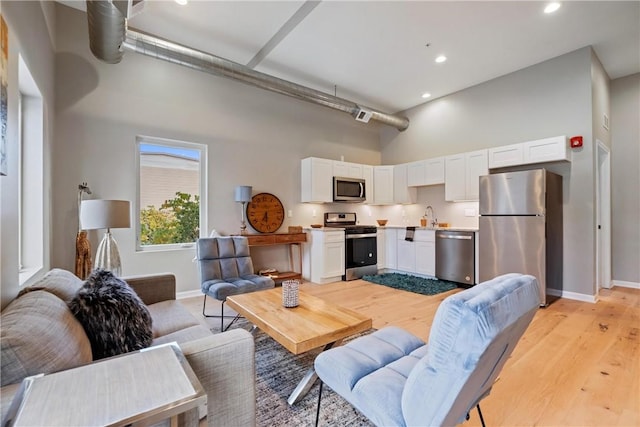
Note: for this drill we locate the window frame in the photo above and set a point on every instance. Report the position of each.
(172, 143)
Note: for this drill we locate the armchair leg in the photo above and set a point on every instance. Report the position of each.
(221, 316)
(319, 399)
(480, 414)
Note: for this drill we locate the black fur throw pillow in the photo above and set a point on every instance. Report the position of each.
(113, 316)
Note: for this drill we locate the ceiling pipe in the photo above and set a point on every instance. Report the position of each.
(109, 37)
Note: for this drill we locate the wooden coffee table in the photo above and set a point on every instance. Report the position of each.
(314, 323)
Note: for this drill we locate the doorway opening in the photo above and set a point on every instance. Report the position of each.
(603, 216)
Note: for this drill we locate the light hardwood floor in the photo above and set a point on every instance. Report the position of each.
(578, 364)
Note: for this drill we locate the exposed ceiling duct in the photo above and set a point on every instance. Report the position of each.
(109, 37)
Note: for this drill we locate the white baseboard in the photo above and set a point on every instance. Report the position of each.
(189, 294)
(572, 295)
(623, 284)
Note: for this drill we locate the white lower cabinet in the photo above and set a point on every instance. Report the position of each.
(381, 245)
(323, 256)
(426, 258)
(417, 256)
(406, 256)
(391, 249)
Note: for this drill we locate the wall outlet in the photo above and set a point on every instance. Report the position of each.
(313, 213)
(289, 213)
(470, 212)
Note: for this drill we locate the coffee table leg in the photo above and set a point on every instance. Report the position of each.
(307, 381)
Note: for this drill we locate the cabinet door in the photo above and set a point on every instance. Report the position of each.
(434, 171)
(346, 169)
(406, 256)
(546, 150)
(367, 175)
(416, 173)
(391, 246)
(383, 185)
(317, 180)
(381, 247)
(333, 259)
(454, 183)
(476, 165)
(507, 155)
(402, 193)
(426, 258)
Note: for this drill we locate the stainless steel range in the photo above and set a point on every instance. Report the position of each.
(361, 250)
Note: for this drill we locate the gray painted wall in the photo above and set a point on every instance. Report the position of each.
(28, 37)
(625, 170)
(548, 99)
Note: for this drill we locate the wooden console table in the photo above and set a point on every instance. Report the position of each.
(289, 239)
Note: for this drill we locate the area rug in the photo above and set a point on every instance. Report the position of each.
(277, 373)
(416, 284)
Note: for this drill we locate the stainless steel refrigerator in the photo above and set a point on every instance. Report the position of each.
(521, 226)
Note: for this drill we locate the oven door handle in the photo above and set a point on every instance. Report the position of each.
(359, 236)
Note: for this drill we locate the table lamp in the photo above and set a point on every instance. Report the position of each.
(107, 214)
(243, 195)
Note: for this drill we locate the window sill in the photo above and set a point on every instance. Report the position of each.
(28, 275)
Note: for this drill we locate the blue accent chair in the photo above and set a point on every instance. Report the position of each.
(395, 379)
(226, 269)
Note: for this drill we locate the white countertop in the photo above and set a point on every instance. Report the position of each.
(399, 227)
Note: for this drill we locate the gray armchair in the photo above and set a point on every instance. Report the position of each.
(226, 269)
(395, 379)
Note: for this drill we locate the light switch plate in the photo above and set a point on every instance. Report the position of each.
(470, 212)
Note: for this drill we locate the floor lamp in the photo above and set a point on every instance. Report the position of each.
(243, 195)
(106, 214)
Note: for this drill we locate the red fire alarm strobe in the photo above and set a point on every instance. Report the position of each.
(576, 141)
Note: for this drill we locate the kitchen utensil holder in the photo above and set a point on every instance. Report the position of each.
(290, 293)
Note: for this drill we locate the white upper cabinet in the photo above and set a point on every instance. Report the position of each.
(539, 151)
(547, 150)
(347, 170)
(507, 155)
(425, 172)
(402, 193)
(435, 171)
(462, 175)
(367, 175)
(383, 185)
(317, 180)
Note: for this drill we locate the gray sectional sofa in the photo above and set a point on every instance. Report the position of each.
(39, 334)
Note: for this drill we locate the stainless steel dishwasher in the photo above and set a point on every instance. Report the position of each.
(455, 256)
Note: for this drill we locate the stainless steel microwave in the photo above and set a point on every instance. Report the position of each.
(348, 189)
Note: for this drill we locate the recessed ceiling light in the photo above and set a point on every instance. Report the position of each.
(181, 2)
(552, 7)
(426, 95)
(441, 58)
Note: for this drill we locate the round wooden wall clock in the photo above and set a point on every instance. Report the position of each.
(265, 213)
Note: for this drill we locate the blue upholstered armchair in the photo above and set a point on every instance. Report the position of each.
(226, 269)
(395, 379)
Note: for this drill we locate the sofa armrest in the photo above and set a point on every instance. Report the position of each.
(153, 288)
(225, 366)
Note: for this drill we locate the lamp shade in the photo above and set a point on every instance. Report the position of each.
(97, 214)
(243, 193)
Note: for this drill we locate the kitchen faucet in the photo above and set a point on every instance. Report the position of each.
(430, 216)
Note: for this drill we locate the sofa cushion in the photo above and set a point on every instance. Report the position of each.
(61, 283)
(114, 318)
(184, 335)
(40, 335)
(170, 316)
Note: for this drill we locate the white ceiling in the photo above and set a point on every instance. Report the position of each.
(375, 53)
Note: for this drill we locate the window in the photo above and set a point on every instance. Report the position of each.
(171, 199)
(30, 175)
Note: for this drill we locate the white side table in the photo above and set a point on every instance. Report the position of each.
(139, 388)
